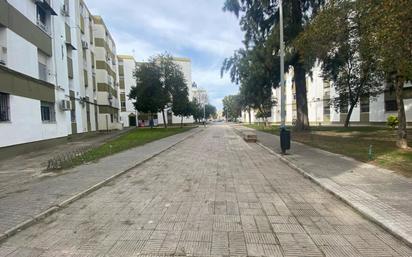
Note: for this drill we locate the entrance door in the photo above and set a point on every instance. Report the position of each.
(132, 121)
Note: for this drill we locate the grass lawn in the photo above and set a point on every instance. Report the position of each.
(355, 142)
(131, 139)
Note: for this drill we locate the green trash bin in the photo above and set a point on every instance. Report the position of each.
(284, 139)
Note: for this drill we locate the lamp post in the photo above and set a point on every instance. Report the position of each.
(284, 134)
(282, 69)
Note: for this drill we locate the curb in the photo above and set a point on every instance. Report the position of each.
(29, 222)
(387, 227)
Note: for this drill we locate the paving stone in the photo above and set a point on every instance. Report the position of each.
(229, 198)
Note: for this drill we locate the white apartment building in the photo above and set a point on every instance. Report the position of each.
(319, 92)
(127, 66)
(34, 89)
(48, 73)
(81, 63)
(106, 76)
(186, 65)
(200, 95)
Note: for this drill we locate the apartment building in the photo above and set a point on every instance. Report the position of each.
(106, 76)
(80, 59)
(34, 102)
(319, 94)
(127, 66)
(186, 66)
(200, 95)
(49, 73)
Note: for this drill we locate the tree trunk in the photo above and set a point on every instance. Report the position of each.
(402, 135)
(250, 116)
(181, 123)
(302, 121)
(350, 111)
(151, 122)
(164, 119)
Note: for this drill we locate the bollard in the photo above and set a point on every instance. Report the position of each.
(370, 153)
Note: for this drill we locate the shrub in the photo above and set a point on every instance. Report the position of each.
(392, 121)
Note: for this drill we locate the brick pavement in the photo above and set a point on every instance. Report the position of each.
(380, 194)
(212, 195)
(23, 201)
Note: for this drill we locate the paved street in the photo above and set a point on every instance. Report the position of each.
(212, 195)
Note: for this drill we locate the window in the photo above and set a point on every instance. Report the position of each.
(111, 118)
(123, 103)
(4, 107)
(390, 100)
(47, 112)
(326, 108)
(42, 19)
(364, 104)
(73, 112)
(43, 70)
(391, 106)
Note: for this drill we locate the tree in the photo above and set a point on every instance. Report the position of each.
(174, 83)
(197, 110)
(257, 73)
(260, 21)
(149, 95)
(210, 111)
(389, 30)
(181, 106)
(336, 38)
(231, 107)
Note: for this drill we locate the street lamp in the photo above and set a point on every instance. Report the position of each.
(284, 134)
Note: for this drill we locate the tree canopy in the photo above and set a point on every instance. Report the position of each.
(160, 83)
(259, 19)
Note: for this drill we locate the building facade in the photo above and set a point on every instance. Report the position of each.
(33, 72)
(373, 111)
(48, 71)
(106, 76)
(127, 67)
(81, 63)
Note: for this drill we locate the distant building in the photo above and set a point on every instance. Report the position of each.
(106, 76)
(127, 67)
(320, 111)
(201, 96)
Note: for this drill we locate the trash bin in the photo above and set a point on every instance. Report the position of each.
(284, 139)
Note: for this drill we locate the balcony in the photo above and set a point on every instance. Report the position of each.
(45, 5)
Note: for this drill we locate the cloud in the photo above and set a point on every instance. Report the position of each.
(197, 29)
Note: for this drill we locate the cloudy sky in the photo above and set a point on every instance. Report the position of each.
(197, 29)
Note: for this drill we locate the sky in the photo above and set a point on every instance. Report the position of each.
(196, 29)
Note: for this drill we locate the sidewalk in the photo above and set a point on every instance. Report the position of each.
(26, 167)
(379, 194)
(41, 196)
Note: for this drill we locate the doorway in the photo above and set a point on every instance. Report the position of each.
(132, 120)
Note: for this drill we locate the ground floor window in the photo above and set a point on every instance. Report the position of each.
(390, 100)
(4, 107)
(47, 112)
(391, 106)
(364, 104)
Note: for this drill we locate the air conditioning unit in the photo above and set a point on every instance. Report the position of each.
(65, 11)
(66, 105)
(85, 45)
